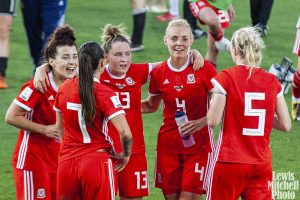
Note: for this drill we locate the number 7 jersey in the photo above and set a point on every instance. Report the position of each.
(248, 116)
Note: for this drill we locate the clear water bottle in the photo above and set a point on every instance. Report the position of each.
(181, 118)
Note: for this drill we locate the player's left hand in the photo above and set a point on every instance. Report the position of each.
(196, 59)
(193, 126)
(121, 161)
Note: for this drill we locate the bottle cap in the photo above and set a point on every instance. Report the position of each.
(179, 113)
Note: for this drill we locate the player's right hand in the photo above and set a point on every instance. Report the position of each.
(40, 78)
(194, 9)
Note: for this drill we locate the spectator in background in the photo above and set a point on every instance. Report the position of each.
(7, 10)
(172, 14)
(260, 13)
(40, 19)
(139, 19)
(296, 79)
(157, 6)
(188, 15)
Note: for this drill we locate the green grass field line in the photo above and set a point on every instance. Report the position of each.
(88, 17)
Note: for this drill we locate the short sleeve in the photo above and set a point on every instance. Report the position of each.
(153, 85)
(280, 88)
(109, 102)
(143, 70)
(210, 72)
(221, 82)
(28, 97)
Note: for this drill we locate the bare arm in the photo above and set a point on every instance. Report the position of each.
(216, 108)
(151, 104)
(40, 78)
(15, 116)
(122, 127)
(282, 121)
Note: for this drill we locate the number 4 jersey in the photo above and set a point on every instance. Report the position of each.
(247, 121)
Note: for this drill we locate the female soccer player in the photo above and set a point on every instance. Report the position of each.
(247, 98)
(84, 106)
(35, 156)
(180, 170)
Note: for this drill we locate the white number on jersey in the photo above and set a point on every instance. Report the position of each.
(125, 99)
(260, 113)
(141, 180)
(77, 107)
(180, 105)
(200, 171)
(223, 16)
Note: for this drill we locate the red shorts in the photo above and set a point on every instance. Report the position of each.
(133, 179)
(296, 49)
(175, 173)
(223, 14)
(34, 185)
(233, 180)
(86, 177)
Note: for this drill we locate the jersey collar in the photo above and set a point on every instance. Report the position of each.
(53, 85)
(186, 64)
(111, 75)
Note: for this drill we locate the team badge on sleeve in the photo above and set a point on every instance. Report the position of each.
(115, 100)
(25, 95)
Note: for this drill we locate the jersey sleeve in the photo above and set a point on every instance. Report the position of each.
(221, 82)
(110, 103)
(143, 71)
(28, 97)
(280, 88)
(153, 85)
(210, 73)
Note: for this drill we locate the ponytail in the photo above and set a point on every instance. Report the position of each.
(90, 54)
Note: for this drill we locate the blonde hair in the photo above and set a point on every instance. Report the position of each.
(113, 34)
(179, 23)
(249, 45)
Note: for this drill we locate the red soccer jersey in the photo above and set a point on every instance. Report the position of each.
(80, 139)
(35, 151)
(129, 89)
(248, 116)
(187, 90)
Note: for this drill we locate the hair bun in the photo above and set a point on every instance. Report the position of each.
(110, 31)
(63, 33)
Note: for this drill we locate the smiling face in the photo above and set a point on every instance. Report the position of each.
(65, 63)
(119, 58)
(178, 39)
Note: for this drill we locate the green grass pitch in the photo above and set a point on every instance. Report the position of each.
(88, 16)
